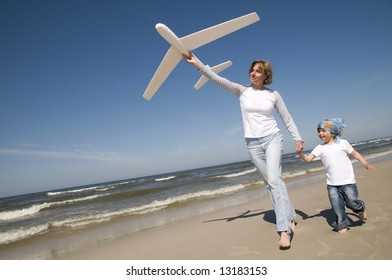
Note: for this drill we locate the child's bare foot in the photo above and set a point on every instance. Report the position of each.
(363, 216)
(343, 231)
(284, 241)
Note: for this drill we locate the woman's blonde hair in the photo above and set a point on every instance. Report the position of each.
(265, 67)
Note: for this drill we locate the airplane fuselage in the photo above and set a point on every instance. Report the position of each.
(171, 38)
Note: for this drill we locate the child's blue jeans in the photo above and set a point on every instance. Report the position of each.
(341, 197)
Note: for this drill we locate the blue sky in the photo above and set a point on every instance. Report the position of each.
(72, 76)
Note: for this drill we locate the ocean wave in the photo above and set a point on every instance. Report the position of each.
(26, 232)
(87, 220)
(380, 154)
(109, 187)
(165, 178)
(154, 206)
(374, 155)
(237, 174)
(373, 141)
(294, 174)
(34, 209)
(22, 233)
(15, 214)
(73, 191)
(316, 169)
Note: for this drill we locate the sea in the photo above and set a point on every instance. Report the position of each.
(51, 224)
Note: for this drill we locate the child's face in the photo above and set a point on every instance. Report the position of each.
(325, 135)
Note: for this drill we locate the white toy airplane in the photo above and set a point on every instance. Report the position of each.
(184, 45)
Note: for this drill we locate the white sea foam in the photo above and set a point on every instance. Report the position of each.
(237, 174)
(316, 169)
(294, 174)
(165, 178)
(81, 221)
(21, 233)
(74, 191)
(378, 154)
(109, 187)
(374, 155)
(15, 214)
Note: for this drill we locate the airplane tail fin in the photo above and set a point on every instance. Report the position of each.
(218, 68)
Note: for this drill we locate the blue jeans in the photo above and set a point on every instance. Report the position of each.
(341, 197)
(266, 154)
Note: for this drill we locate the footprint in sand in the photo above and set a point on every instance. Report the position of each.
(379, 217)
(239, 251)
(325, 248)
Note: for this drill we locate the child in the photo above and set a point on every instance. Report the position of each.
(342, 189)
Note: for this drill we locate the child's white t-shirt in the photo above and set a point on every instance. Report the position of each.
(337, 163)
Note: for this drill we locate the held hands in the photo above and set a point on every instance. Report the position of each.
(300, 152)
(300, 147)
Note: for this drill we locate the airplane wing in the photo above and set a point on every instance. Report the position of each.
(168, 63)
(210, 34)
(218, 68)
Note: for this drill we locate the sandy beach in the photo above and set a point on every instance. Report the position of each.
(247, 231)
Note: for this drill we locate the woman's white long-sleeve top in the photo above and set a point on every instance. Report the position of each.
(257, 107)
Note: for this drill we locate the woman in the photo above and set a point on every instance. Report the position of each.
(262, 135)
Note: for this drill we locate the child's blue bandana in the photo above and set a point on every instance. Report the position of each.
(334, 126)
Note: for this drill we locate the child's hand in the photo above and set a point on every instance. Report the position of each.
(368, 166)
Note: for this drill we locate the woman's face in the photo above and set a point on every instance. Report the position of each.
(257, 76)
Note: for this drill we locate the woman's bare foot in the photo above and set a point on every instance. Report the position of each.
(363, 216)
(343, 231)
(284, 240)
